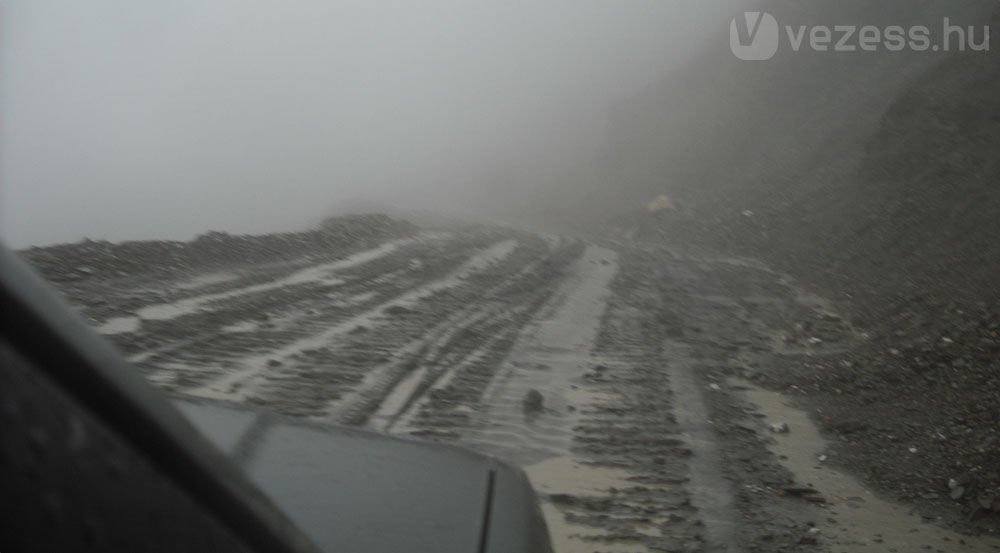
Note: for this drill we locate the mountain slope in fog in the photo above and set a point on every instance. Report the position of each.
(869, 172)
(926, 211)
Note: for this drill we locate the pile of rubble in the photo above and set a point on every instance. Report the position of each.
(102, 259)
(916, 409)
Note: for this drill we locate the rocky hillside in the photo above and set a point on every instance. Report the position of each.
(872, 179)
(871, 176)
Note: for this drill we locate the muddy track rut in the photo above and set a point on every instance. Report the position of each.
(607, 372)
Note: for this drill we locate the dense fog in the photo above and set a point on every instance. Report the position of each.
(162, 120)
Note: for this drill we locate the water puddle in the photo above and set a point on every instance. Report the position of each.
(475, 264)
(239, 384)
(564, 475)
(859, 521)
(320, 274)
(120, 325)
(568, 475)
(207, 279)
(396, 402)
(242, 326)
(549, 358)
(711, 492)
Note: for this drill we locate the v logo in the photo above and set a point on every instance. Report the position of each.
(747, 32)
(754, 36)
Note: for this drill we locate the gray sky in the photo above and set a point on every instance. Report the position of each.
(148, 119)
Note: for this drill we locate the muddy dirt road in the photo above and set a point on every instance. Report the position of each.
(619, 375)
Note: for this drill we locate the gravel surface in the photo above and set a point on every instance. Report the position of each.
(618, 373)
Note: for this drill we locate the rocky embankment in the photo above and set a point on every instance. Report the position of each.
(99, 259)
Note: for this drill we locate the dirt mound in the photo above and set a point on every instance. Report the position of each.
(103, 259)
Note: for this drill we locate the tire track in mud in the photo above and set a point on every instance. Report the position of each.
(334, 354)
(610, 475)
(460, 377)
(711, 492)
(549, 355)
(596, 396)
(606, 374)
(580, 363)
(317, 340)
(391, 390)
(566, 358)
(211, 291)
(213, 311)
(633, 492)
(737, 320)
(274, 319)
